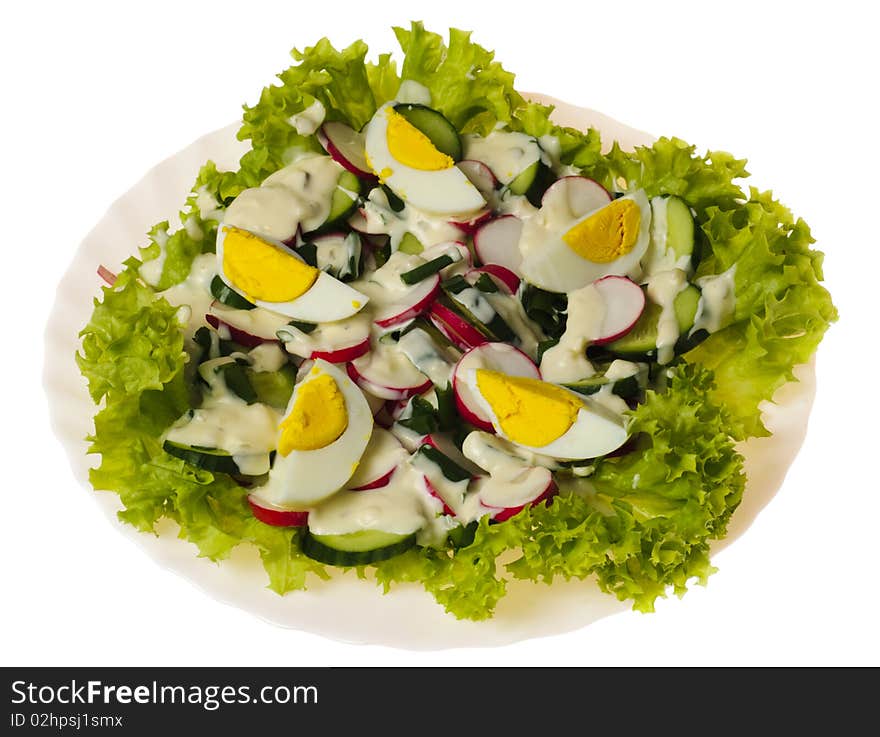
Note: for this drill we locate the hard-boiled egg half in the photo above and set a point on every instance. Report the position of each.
(561, 256)
(546, 418)
(406, 161)
(273, 277)
(322, 436)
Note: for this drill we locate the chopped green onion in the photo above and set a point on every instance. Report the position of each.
(420, 273)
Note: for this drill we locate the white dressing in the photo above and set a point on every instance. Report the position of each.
(506, 153)
(309, 120)
(296, 197)
(717, 300)
(663, 288)
(567, 360)
(421, 350)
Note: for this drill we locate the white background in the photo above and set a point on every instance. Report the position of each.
(93, 94)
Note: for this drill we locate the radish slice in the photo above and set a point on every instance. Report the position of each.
(344, 355)
(276, 516)
(256, 326)
(624, 304)
(480, 175)
(107, 275)
(417, 300)
(486, 487)
(455, 327)
(432, 490)
(495, 357)
(358, 221)
(502, 277)
(497, 242)
(574, 197)
(380, 460)
(345, 146)
(247, 340)
(471, 224)
(386, 372)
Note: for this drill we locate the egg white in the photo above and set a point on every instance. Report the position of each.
(594, 432)
(327, 300)
(444, 191)
(554, 266)
(305, 477)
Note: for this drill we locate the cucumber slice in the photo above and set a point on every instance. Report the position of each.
(344, 201)
(211, 459)
(679, 227)
(533, 182)
(224, 293)
(435, 126)
(273, 387)
(237, 381)
(410, 244)
(470, 303)
(624, 388)
(640, 343)
(356, 548)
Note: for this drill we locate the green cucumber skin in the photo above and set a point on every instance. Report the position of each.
(313, 548)
(435, 126)
(342, 206)
(210, 461)
(222, 292)
(533, 182)
(623, 388)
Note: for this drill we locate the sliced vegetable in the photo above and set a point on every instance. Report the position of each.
(276, 516)
(228, 296)
(356, 548)
(497, 242)
(476, 309)
(346, 146)
(624, 303)
(499, 275)
(574, 197)
(435, 126)
(211, 459)
(481, 176)
(273, 387)
(455, 327)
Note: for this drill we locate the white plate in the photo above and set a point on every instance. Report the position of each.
(407, 617)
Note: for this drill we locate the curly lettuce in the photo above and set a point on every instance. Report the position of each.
(642, 524)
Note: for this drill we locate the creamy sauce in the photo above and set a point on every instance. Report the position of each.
(387, 366)
(267, 357)
(506, 153)
(659, 256)
(151, 271)
(454, 494)
(296, 197)
(328, 336)
(194, 291)
(258, 321)
(309, 120)
(473, 301)
(567, 360)
(413, 92)
(528, 332)
(717, 301)
(421, 350)
(380, 219)
(663, 287)
(207, 205)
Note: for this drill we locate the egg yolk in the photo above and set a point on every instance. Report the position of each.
(408, 145)
(262, 271)
(607, 234)
(317, 418)
(529, 411)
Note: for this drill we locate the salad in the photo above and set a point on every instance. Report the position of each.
(425, 332)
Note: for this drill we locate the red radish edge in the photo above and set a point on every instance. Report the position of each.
(376, 483)
(384, 391)
(325, 136)
(508, 512)
(436, 494)
(480, 175)
(468, 413)
(467, 335)
(239, 336)
(501, 273)
(505, 251)
(277, 517)
(107, 275)
(625, 302)
(469, 226)
(344, 355)
(413, 310)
